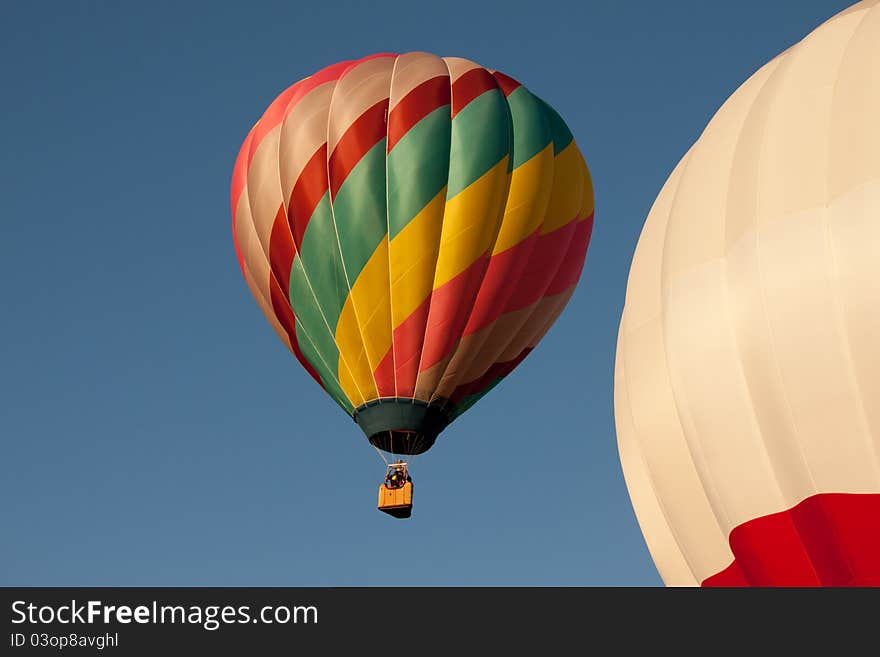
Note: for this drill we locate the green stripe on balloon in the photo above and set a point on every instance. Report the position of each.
(418, 168)
(531, 126)
(562, 136)
(359, 209)
(316, 341)
(328, 375)
(480, 139)
(319, 255)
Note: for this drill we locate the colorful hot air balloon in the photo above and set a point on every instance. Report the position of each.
(411, 227)
(747, 385)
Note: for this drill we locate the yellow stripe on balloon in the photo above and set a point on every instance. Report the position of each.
(527, 200)
(470, 222)
(357, 373)
(568, 189)
(414, 258)
(363, 332)
(587, 207)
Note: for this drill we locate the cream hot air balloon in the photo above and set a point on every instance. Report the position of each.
(747, 384)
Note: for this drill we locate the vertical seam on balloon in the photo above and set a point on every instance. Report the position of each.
(548, 323)
(666, 372)
(650, 475)
(339, 242)
(703, 474)
(388, 229)
(832, 256)
(297, 321)
(246, 191)
(534, 307)
(762, 296)
(307, 336)
(786, 61)
(842, 335)
(537, 334)
(235, 200)
(491, 246)
(510, 155)
(440, 235)
(332, 368)
(526, 318)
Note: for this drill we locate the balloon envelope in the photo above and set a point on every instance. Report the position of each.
(747, 385)
(411, 226)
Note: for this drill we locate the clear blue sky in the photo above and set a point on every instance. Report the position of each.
(154, 431)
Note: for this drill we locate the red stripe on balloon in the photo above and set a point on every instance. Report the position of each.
(829, 539)
(570, 270)
(539, 266)
(285, 316)
(416, 105)
(536, 267)
(450, 306)
(274, 114)
(292, 95)
(406, 349)
(289, 98)
(475, 82)
(507, 84)
(534, 284)
(280, 108)
(307, 192)
(413, 341)
(496, 371)
(502, 281)
(282, 309)
(542, 267)
(383, 375)
(281, 250)
(366, 131)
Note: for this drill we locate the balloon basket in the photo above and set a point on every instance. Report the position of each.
(396, 502)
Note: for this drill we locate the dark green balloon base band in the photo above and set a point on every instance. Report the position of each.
(400, 425)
